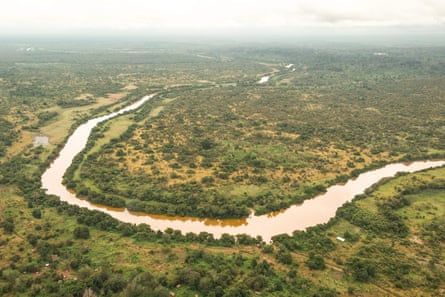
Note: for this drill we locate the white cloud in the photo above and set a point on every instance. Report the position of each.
(214, 14)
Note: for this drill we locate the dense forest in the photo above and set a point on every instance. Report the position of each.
(216, 143)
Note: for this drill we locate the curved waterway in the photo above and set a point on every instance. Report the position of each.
(297, 217)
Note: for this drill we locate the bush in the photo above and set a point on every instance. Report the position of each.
(315, 262)
(361, 270)
(207, 144)
(81, 232)
(36, 213)
(284, 256)
(8, 225)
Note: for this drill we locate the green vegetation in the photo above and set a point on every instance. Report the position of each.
(218, 150)
(7, 136)
(215, 137)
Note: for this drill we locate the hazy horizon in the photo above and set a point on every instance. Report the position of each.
(222, 18)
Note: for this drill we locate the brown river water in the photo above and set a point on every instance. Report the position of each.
(311, 212)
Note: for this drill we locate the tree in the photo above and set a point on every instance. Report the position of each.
(81, 232)
(207, 144)
(161, 291)
(115, 283)
(241, 291)
(36, 213)
(32, 239)
(284, 256)
(72, 288)
(8, 225)
(227, 240)
(315, 262)
(256, 282)
(361, 270)
(190, 277)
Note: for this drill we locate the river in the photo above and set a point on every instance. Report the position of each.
(311, 212)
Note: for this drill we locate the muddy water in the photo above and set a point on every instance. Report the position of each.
(298, 217)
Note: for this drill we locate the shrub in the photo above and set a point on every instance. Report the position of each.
(81, 232)
(315, 262)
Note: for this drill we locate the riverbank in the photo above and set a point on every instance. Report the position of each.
(298, 217)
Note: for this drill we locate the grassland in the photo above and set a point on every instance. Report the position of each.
(342, 106)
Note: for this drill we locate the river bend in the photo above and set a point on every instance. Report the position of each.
(311, 212)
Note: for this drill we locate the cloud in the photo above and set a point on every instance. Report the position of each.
(374, 13)
(215, 14)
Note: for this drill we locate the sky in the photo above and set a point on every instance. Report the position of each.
(46, 16)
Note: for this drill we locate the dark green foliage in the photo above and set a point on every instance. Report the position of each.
(81, 232)
(207, 144)
(385, 221)
(211, 273)
(436, 229)
(32, 239)
(227, 240)
(46, 116)
(314, 238)
(72, 288)
(7, 135)
(351, 237)
(75, 103)
(396, 224)
(268, 249)
(115, 284)
(361, 270)
(8, 225)
(284, 256)
(315, 262)
(36, 213)
(325, 292)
